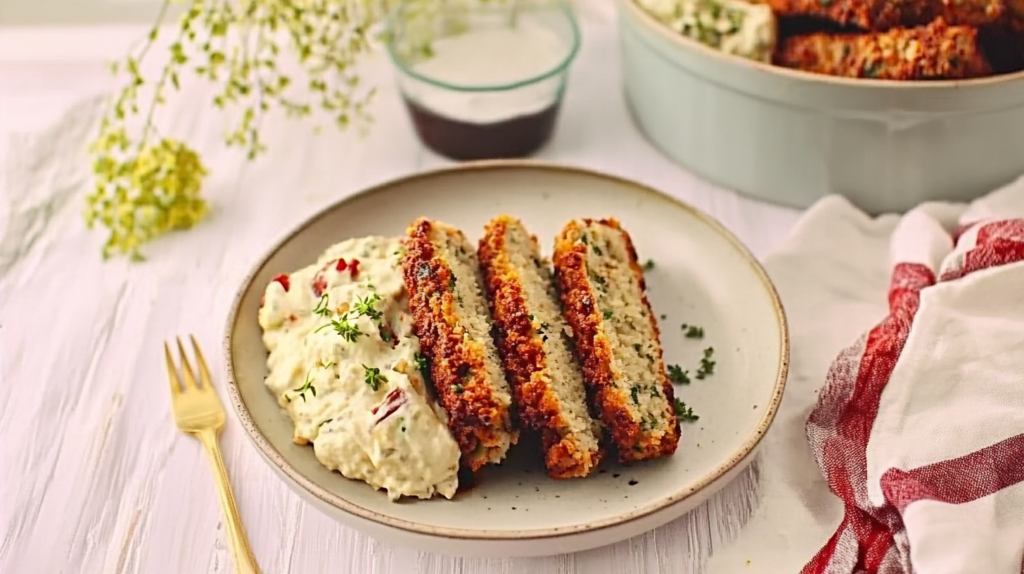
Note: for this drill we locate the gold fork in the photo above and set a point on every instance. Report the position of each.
(198, 412)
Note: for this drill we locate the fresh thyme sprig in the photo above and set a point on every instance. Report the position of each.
(342, 322)
(306, 387)
(339, 322)
(373, 377)
(347, 330)
(322, 307)
(364, 307)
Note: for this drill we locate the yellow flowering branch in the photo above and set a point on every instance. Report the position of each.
(148, 185)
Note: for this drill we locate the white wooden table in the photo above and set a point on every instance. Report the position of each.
(95, 478)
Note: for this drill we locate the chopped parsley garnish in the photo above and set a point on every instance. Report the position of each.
(597, 250)
(636, 347)
(451, 282)
(530, 317)
(583, 238)
(340, 323)
(542, 331)
(634, 393)
(598, 279)
(693, 331)
(648, 265)
(677, 375)
(306, 387)
(707, 366)
(664, 316)
(365, 307)
(684, 412)
(373, 377)
(458, 389)
(424, 366)
(607, 315)
(654, 391)
(386, 336)
(653, 421)
(321, 307)
(322, 423)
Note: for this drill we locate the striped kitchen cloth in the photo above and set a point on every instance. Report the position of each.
(904, 455)
(919, 428)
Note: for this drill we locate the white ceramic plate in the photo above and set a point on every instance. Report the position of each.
(703, 276)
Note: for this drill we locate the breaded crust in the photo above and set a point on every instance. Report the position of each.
(570, 451)
(932, 52)
(634, 439)
(480, 422)
(881, 15)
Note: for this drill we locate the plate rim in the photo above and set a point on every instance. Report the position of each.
(272, 455)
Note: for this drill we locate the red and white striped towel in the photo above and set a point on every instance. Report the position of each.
(919, 427)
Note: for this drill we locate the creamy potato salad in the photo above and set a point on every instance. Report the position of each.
(732, 26)
(345, 366)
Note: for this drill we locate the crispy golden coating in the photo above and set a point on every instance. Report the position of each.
(550, 397)
(1015, 19)
(478, 413)
(613, 393)
(880, 15)
(933, 52)
(964, 12)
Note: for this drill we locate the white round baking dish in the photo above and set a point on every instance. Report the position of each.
(791, 137)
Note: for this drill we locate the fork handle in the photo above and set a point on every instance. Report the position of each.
(245, 563)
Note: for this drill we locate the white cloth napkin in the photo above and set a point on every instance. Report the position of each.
(906, 391)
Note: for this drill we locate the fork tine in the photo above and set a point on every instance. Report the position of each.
(186, 368)
(172, 372)
(204, 371)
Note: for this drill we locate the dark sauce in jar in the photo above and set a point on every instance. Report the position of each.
(518, 136)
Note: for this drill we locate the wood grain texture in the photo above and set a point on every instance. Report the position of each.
(95, 478)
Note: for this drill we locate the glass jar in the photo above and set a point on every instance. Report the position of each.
(483, 80)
